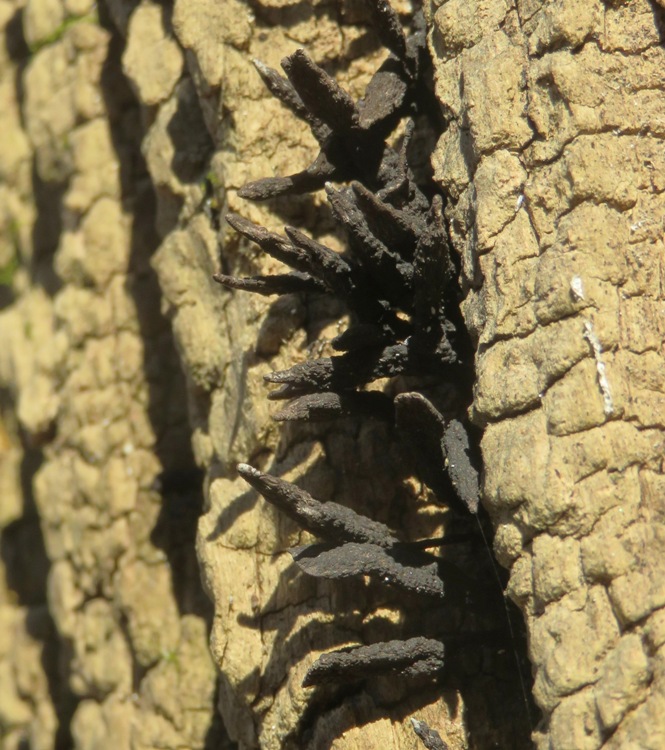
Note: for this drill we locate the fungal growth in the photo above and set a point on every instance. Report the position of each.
(398, 282)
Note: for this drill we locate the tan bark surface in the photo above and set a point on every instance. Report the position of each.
(93, 379)
(30, 699)
(89, 364)
(554, 161)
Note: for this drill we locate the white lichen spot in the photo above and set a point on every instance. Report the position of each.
(603, 383)
(577, 288)
(520, 202)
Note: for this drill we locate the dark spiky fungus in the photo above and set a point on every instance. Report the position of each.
(430, 737)
(399, 284)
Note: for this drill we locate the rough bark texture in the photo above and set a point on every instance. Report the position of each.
(28, 650)
(553, 163)
(270, 622)
(110, 650)
(119, 656)
(554, 160)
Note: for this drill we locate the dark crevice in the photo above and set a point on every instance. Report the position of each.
(180, 484)
(26, 568)
(398, 260)
(46, 231)
(659, 19)
(22, 546)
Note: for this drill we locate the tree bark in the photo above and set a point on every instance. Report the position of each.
(103, 618)
(551, 165)
(553, 160)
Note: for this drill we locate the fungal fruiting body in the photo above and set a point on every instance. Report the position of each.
(398, 282)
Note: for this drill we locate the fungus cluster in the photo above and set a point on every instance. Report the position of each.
(398, 281)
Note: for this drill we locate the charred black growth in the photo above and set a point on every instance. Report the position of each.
(351, 135)
(328, 520)
(416, 657)
(430, 738)
(398, 281)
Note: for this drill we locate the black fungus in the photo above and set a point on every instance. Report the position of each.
(430, 738)
(328, 520)
(401, 565)
(398, 281)
(415, 657)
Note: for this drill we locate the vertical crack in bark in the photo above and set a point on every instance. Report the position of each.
(398, 280)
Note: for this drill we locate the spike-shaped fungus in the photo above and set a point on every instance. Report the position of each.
(398, 281)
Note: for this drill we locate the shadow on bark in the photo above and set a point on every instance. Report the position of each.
(180, 482)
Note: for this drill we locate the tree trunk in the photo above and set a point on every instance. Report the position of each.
(104, 620)
(550, 164)
(553, 161)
